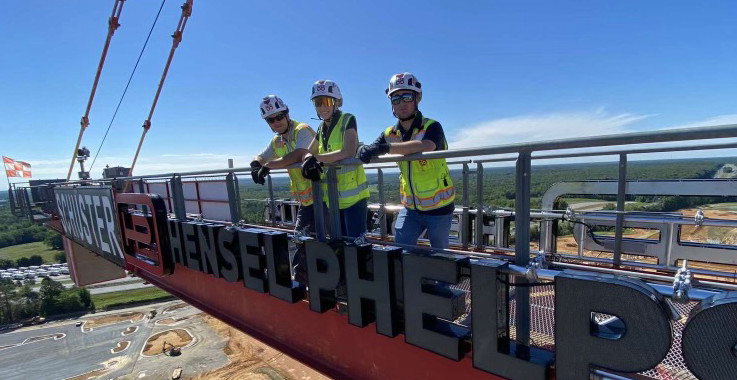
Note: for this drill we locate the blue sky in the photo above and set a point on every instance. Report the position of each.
(493, 72)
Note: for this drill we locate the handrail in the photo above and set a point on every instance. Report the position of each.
(635, 138)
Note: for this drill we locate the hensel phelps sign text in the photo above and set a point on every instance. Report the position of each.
(401, 292)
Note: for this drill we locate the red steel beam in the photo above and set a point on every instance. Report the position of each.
(325, 342)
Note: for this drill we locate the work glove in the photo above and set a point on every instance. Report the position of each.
(255, 169)
(311, 168)
(366, 152)
(262, 173)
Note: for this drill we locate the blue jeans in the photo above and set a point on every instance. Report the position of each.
(306, 217)
(411, 224)
(353, 219)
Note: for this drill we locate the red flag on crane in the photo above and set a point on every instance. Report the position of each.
(15, 168)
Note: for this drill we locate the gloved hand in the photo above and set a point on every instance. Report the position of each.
(366, 152)
(311, 168)
(255, 168)
(262, 173)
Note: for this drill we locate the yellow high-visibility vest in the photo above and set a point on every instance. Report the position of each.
(352, 186)
(300, 187)
(423, 184)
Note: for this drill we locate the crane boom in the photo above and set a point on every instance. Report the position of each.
(177, 38)
(85, 122)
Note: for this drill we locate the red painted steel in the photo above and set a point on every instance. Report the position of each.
(326, 342)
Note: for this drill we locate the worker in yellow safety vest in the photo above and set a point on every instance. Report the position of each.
(291, 142)
(337, 139)
(426, 189)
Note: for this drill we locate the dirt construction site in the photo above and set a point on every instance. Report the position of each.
(151, 342)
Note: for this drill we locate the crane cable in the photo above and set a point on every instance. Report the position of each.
(85, 122)
(177, 38)
(126, 85)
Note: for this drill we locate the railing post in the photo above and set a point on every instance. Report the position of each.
(382, 203)
(480, 207)
(233, 197)
(465, 220)
(334, 204)
(11, 196)
(621, 192)
(522, 250)
(177, 198)
(318, 209)
(272, 202)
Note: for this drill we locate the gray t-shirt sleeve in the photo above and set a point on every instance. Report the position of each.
(268, 153)
(304, 138)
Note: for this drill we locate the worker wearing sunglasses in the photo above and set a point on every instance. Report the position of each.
(426, 189)
(291, 141)
(337, 139)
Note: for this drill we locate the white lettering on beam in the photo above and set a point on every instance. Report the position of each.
(110, 222)
(101, 224)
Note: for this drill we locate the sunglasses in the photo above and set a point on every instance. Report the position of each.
(276, 118)
(323, 101)
(408, 97)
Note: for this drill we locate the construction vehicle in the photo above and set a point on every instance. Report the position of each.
(177, 374)
(37, 320)
(170, 350)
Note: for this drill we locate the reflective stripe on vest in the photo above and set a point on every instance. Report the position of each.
(423, 184)
(300, 187)
(352, 186)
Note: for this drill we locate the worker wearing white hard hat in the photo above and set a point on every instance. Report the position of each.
(291, 141)
(426, 189)
(337, 139)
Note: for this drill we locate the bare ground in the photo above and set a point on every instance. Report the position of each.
(251, 359)
(176, 338)
(121, 346)
(111, 319)
(701, 234)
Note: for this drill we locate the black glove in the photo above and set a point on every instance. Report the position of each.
(255, 168)
(311, 168)
(366, 152)
(262, 173)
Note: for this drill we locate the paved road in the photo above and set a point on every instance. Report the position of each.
(127, 283)
(78, 353)
(118, 288)
(74, 354)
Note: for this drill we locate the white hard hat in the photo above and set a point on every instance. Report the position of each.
(326, 88)
(403, 81)
(272, 104)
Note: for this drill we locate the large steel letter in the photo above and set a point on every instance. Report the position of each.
(323, 273)
(710, 338)
(637, 341)
(425, 302)
(281, 285)
(370, 283)
(252, 259)
(492, 348)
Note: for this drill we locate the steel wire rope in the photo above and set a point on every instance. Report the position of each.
(126, 85)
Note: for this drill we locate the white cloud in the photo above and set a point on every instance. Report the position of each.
(544, 127)
(562, 125)
(712, 121)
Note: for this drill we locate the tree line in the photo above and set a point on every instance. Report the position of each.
(14, 231)
(18, 303)
(499, 184)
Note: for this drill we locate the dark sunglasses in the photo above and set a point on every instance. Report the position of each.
(276, 118)
(408, 97)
